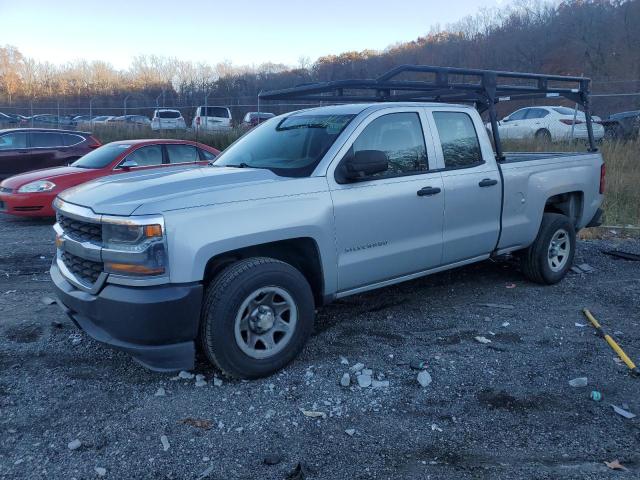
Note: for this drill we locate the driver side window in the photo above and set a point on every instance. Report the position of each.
(399, 136)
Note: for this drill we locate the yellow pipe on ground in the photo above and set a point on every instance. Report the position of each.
(612, 343)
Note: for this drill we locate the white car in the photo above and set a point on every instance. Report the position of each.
(212, 118)
(168, 119)
(547, 123)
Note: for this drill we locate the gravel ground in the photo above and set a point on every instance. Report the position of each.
(500, 410)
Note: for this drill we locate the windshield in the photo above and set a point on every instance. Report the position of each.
(101, 157)
(291, 147)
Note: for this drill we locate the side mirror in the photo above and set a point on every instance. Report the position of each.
(506, 119)
(365, 163)
(127, 164)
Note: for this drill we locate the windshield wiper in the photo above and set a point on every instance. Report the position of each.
(241, 165)
(304, 125)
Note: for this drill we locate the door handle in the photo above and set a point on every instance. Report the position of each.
(428, 191)
(488, 182)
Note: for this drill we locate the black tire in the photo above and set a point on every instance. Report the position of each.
(225, 296)
(535, 261)
(543, 135)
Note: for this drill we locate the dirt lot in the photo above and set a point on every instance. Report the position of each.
(498, 410)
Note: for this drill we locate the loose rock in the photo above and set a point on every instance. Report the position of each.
(379, 383)
(357, 367)
(201, 383)
(160, 392)
(367, 371)
(350, 431)
(48, 300)
(579, 382)
(424, 379)
(217, 382)
(74, 444)
(482, 339)
(165, 442)
(364, 380)
(186, 375)
(345, 381)
(101, 471)
(344, 361)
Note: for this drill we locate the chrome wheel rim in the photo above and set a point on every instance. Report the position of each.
(265, 322)
(559, 249)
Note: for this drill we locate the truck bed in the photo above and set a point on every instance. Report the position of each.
(513, 157)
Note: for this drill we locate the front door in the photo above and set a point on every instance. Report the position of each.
(472, 185)
(389, 224)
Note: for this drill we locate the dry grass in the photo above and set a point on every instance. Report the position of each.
(622, 158)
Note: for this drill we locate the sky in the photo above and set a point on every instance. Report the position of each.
(245, 32)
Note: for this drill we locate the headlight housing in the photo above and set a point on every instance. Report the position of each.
(37, 186)
(134, 250)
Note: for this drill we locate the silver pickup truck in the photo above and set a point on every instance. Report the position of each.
(308, 207)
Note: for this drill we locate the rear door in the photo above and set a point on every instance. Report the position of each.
(47, 150)
(511, 128)
(180, 154)
(385, 228)
(14, 154)
(472, 186)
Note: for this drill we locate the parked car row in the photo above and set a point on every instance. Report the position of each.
(549, 123)
(206, 118)
(55, 160)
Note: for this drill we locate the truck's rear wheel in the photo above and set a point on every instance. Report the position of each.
(550, 256)
(257, 316)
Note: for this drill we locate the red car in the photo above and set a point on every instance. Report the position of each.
(31, 194)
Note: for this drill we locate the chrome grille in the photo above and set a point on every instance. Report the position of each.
(81, 231)
(86, 271)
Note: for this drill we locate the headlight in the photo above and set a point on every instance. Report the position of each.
(38, 186)
(134, 250)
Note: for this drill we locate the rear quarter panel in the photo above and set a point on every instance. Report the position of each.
(529, 184)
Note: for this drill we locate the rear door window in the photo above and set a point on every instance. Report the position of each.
(459, 140)
(146, 156)
(46, 140)
(535, 113)
(70, 139)
(220, 112)
(205, 155)
(13, 141)
(182, 154)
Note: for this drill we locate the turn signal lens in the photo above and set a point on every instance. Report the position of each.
(133, 269)
(151, 231)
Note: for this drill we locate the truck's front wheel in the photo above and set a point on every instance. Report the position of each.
(257, 316)
(550, 256)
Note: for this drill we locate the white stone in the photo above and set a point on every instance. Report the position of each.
(424, 378)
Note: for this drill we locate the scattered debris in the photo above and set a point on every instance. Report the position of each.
(624, 255)
(160, 392)
(498, 305)
(575, 269)
(165, 442)
(74, 444)
(379, 383)
(367, 371)
(584, 268)
(201, 382)
(364, 380)
(579, 382)
(482, 339)
(615, 465)
(511, 285)
(435, 428)
(344, 361)
(217, 382)
(424, 379)
(345, 381)
(272, 459)
(350, 431)
(100, 471)
(185, 375)
(418, 365)
(298, 473)
(76, 338)
(580, 325)
(596, 396)
(313, 414)
(197, 422)
(505, 324)
(208, 471)
(623, 412)
(356, 368)
(48, 300)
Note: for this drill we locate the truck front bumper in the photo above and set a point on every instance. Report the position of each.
(156, 325)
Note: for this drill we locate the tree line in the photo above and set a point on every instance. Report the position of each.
(596, 38)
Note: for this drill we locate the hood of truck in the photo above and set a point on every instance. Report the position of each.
(157, 191)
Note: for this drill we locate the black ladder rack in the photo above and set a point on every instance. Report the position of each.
(483, 88)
